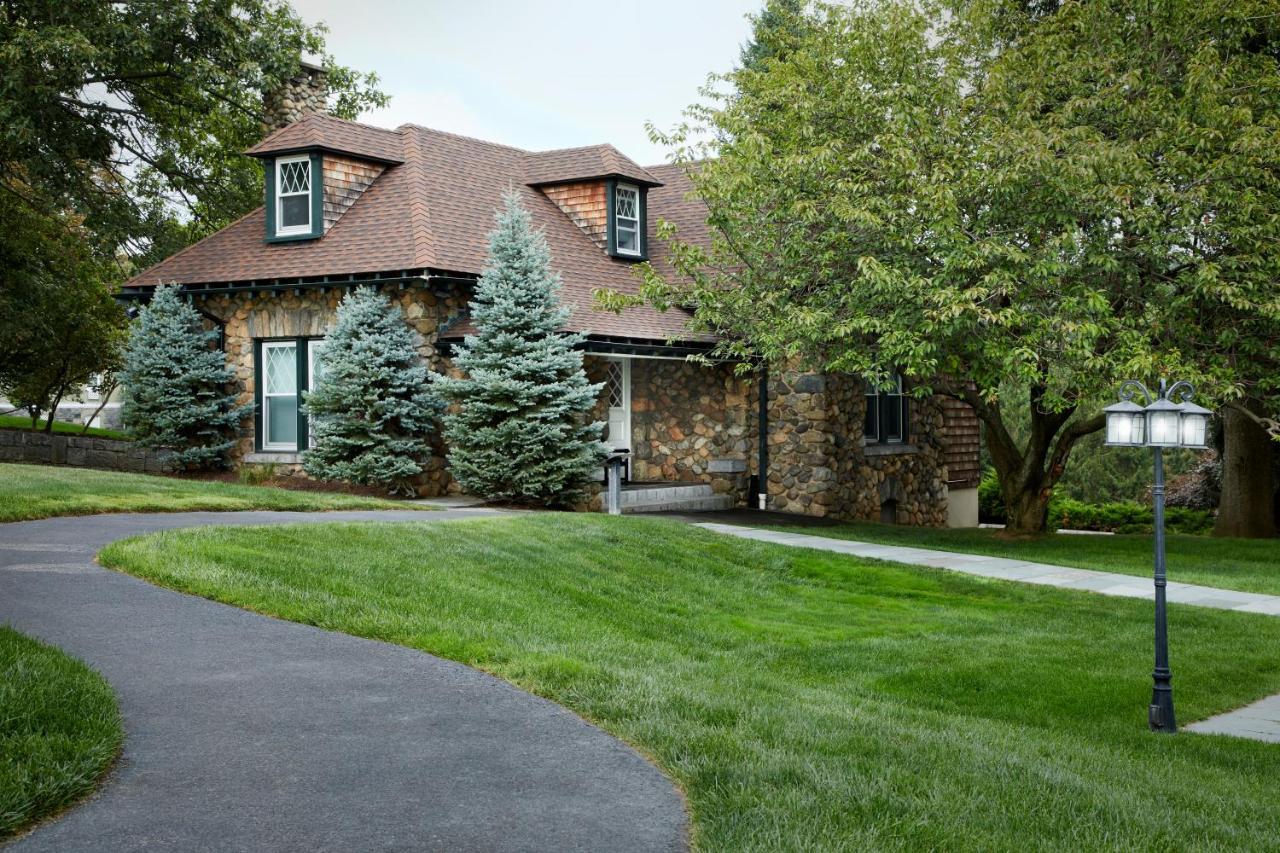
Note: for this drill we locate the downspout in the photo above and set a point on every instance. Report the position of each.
(762, 427)
(217, 321)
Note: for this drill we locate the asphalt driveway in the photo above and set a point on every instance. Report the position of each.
(248, 733)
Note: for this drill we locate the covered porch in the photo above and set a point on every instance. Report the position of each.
(685, 425)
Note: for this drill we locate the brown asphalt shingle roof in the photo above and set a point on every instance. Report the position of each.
(434, 210)
(333, 134)
(576, 164)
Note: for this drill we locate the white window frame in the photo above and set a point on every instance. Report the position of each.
(617, 220)
(281, 229)
(266, 407)
(312, 345)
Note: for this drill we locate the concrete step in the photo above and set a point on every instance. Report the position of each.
(715, 503)
(638, 495)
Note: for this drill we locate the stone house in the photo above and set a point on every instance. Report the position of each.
(408, 211)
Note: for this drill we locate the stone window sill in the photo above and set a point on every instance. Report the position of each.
(277, 456)
(888, 449)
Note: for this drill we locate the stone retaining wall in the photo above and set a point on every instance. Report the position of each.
(81, 451)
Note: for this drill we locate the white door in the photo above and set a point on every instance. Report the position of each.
(618, 387)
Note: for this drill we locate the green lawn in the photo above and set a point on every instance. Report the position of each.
(803, 700)
(59, 730)
(23, 422)
(38, 491)
(1248, 565)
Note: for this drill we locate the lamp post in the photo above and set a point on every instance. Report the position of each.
(1169, 419)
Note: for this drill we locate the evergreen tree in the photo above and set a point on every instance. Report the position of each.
(519, 430)
(177, 384)
(371, 404)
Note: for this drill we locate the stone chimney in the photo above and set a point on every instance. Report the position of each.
(305, 93)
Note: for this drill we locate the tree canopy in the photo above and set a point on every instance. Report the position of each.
(991, 193)
(133, 115)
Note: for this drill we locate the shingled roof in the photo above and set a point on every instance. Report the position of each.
(433, 208)
(333, 134)
(578, 164)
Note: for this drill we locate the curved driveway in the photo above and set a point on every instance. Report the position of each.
(249, 733)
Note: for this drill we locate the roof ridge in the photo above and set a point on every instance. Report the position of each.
(424, 128)
(419, 213)
(363, 124)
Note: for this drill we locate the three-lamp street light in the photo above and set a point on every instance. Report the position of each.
(1169, 419)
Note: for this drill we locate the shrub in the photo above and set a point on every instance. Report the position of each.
(177, 384)
(371, 405)
(520, 429)
(1113, 517)
(990, 501)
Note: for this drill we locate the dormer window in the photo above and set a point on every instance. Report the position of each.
(626, 220)
(294, 202)
(293, 199)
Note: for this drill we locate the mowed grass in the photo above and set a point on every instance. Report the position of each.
(23, 422)
(803, 700)
(59, 730)
(38, 491)
(1248, 565)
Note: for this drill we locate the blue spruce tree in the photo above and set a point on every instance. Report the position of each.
(371, 406)
(519, 430)
(178, 386)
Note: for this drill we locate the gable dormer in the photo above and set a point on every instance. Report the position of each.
(601, 191)
(315, 169)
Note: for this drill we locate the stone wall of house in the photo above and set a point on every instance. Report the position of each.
(311, 313)
(689, 423)
(345, 179)
(818, 464)
(81, 451)
(305, 93)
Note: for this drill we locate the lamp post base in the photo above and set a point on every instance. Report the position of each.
(1160, 716)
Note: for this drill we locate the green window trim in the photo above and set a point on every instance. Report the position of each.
(611, 228)
(317, 199)
(887, 419)
(302, 348)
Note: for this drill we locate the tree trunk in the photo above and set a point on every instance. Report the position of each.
(1028, 473)
(1028, 512)
(1247, 507)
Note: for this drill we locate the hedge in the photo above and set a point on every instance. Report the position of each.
(1117, 517)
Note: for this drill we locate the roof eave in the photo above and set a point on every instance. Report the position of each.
(604, 176)
(327, 149)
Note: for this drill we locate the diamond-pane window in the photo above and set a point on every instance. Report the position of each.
(282, 369)
(293, 195)
(295, 177)
(626, 219)
(613, 381)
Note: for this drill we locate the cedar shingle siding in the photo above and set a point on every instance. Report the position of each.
(962, 436)
(587, 205)
(344, 180)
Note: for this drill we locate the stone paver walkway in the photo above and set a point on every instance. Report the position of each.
(1259, 721)
(245, 733)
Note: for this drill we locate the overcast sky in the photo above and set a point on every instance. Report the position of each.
(537, 75)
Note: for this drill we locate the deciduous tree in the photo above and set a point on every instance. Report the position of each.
(993, 192)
